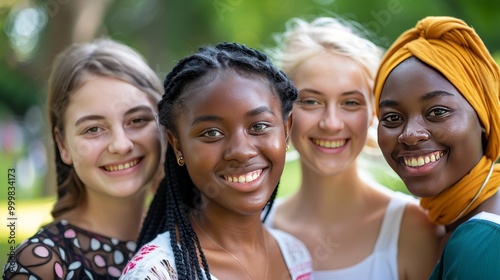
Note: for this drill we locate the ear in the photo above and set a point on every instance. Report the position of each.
(288, 126)
(63, 151)
(174, 143)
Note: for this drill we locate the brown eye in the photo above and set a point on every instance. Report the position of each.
(137, 121)
(92, 130)
(438, 112)
(391, 120)
(212, 133)
(259, 127)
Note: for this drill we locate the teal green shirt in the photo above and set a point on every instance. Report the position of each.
(472, 252)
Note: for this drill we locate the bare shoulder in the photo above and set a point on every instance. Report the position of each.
(416, 216)
(418, 246)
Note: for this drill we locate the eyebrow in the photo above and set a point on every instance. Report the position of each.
(99, 117)
(352, 92)
(309, 90)
(251, 113)
(427, 96)
(434, 94)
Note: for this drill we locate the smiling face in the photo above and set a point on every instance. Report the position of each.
(428, 132)
(110, 137)
(232, 136)
(333, 113)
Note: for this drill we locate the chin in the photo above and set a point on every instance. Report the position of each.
(421, 190)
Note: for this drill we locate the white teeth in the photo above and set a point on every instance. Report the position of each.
(121, 166)
(329, 144)
(244, 178)
(423, 160)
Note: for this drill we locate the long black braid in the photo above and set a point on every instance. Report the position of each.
(177, 194)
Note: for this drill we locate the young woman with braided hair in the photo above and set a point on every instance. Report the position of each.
(227, 114)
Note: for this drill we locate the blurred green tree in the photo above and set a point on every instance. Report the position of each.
(34, 31)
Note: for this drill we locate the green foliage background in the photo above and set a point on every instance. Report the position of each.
(164, 31)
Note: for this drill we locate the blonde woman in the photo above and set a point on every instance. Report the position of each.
(353, 227)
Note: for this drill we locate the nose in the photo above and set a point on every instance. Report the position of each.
(331, 119)
(240, 148)
(413, 133)
(120, 143)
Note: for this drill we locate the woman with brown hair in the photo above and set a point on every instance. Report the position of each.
(102, 113)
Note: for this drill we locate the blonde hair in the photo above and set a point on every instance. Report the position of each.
(303, 39)
(103, 57)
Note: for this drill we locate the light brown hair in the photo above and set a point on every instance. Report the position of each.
(102, 57)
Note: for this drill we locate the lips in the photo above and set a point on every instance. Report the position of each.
(423, 160)
(329, 144)
(244, 178)
(123, 166)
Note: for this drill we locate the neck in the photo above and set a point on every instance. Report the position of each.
(119, 218)
(244, 244)
(227, 229)
(329, 197)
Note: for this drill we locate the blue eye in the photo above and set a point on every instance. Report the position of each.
(308, 101)
(351, 103)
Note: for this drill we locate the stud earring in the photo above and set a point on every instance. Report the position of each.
(180, 161)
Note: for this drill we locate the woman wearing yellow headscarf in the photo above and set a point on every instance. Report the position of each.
(437, 92)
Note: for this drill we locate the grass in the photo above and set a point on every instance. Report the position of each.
(30, 215)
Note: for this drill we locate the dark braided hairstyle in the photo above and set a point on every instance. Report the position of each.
(177, 195)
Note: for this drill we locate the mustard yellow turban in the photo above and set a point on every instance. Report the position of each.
(453, 48)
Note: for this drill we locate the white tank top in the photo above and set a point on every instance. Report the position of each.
(383, 262)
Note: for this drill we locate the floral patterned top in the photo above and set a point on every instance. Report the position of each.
(62, 251)
(156, 260)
